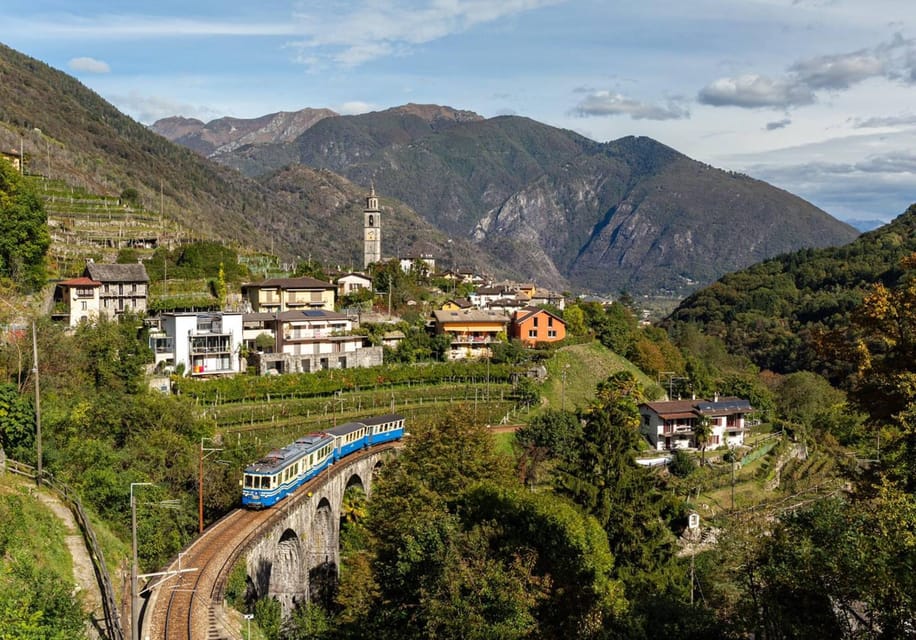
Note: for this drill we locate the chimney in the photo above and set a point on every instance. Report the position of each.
(715, 397)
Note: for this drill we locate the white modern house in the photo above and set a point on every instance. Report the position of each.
(206, 344)
(672, 424)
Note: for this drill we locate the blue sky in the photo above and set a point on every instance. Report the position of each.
(816, 96)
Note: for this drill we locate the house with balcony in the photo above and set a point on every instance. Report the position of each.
(108, 290)
(472, 331)
(671, 424)
(483, 296)
(76, 300)
(306, 341)
(125, 287)
(544, 297)
(206, 344)
(289, 294)
(533, 325)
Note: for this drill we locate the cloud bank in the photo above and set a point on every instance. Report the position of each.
(893, 60)
(608, 103)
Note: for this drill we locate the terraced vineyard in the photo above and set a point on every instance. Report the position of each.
(87, 225)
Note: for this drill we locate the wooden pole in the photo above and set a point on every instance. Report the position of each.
(37, 404)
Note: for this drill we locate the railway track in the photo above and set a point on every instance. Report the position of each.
(186, 607)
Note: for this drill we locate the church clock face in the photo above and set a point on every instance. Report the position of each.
(370, 234)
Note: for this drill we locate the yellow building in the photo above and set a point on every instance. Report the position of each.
(276, 295)
(473, 331)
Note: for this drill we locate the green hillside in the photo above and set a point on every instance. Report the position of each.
(778, 311)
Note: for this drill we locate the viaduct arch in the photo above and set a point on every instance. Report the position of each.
(296, 556)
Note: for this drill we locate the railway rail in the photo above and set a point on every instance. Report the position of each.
(187, 607)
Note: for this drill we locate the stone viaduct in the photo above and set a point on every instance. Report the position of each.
(296, 557)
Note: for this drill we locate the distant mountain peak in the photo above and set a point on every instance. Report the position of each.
(433, 113)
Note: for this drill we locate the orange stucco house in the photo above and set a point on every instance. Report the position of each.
(533, 325)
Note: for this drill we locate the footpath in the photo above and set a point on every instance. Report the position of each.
(83, 573)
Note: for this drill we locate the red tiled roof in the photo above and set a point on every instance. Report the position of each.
(80, 282)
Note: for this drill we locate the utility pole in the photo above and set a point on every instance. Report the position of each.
(200, 486)
(134, 591)
(37, 404)
(693, 533)
(733, 462)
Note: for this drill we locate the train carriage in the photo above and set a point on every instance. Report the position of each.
(348, 437)
(385, 428)
(283, 470)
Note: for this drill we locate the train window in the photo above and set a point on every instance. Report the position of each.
(247, 482)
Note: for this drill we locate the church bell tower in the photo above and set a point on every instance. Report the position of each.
(372, 230)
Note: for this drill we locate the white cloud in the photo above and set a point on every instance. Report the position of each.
(835, 72)
(148, 109)
(354, 34)
(89, 65)
(354, 107)
(838, 71)
(885, 121)
(752, 91)
(608, 103)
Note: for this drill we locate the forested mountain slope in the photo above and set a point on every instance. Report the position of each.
(778, 312)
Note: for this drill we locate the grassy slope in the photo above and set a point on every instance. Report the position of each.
(33, 530)
(588, 364)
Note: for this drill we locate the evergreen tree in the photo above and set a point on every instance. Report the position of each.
(605, 480)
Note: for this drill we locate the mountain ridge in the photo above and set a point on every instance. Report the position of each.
(631, 214)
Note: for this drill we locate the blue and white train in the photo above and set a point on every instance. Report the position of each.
(283, 470)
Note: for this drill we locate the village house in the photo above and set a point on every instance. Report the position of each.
(108, 290)
(13, 158)
(472, 331)
(483, 296)
(200, 344)
(671, 424)
(352, 282)
(425, 262)
(544, 297)
(533, 325)
(289, 294)
(307, 340)
(456, 304)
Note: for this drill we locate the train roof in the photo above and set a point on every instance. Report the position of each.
(388, 417)
(346, 428)
(281, 458)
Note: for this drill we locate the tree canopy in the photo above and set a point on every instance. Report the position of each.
(24, 236)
